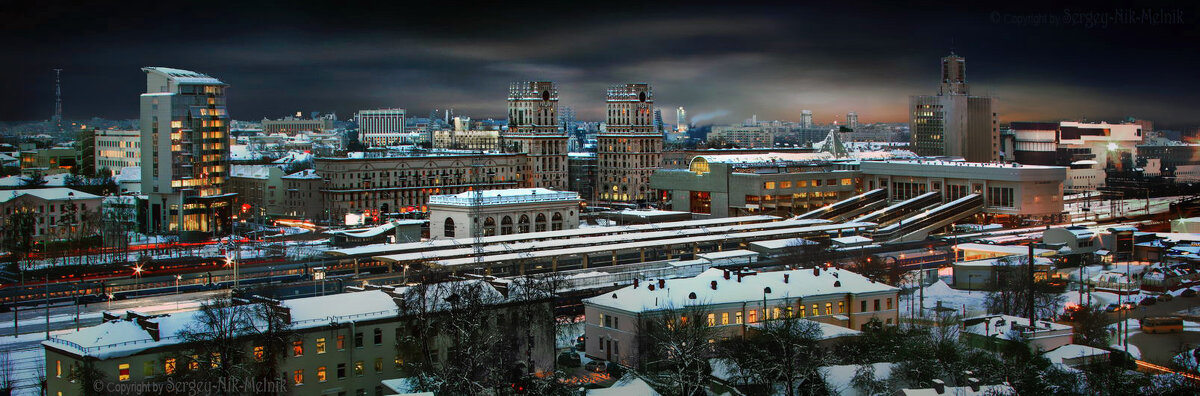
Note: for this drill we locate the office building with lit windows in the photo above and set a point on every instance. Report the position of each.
(382, 127)
(630, 149)
(185, 153)
(953, 122)
(533, 130)
(117, 149)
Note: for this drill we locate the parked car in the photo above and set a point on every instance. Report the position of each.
(1148, 301)
(1188, 293)
(569, 358)
(596, 366)
(1112, 308)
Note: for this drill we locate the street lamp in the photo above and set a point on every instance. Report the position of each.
(137, 275)
(177, 279)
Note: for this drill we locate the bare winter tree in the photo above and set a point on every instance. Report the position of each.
(457, 340)
(214, 342)
(1015, 288)
(783, 351)
(7, 381)
(675, 346)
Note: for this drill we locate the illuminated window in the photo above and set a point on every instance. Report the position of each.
(724, 318)
(378, 365)
(58, 368)
(847, 182)
(216, 360)
(790, 312)
(769, 185)
(399, 362)
(359, 368)
(786, 184)
(123, 372)
(320, 345)
(814, 310)
(753, 316)
(194, 364)
(258, 353)
(298, 377)
(321, 374)
(738, 317)
(712, 319)
(298, 348)
(169, 366)
(775, 313)
(841, 307)
(829, 308)
(177, 124)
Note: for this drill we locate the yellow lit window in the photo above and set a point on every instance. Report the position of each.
(847, 182)
(58, 368)
(123, 372)
(216, 360)
(786, 184)
(258, 353)
(769, 185)
(753, 316)
(829, 308)
(841, 307)
(194, 364)
(814, 310)
(321, 374)
(775, 313)
(724, 318)
(298, 348)
(169, 366)
(320, 345)
(712, 319)
(177, 124)
(359, 367)
(298, 377)
(802, 183)
(738, 317)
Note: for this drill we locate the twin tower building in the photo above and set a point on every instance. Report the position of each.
(628, 151)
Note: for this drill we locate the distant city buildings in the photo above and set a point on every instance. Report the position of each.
(534, 131)
(185, 153)
(852, 120)
(630, 149)
(741, 136)
(1088, 150)
(382, 127)
(294, 125)
(954, 123)
(806, 118)
(582, 175)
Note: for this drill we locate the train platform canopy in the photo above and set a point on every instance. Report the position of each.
(386, 248)
(582, 250)
(777, 246)
(976, 251)
(426, 255)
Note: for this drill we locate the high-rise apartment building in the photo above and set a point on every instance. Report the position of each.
(382, 127)
(954, 123)
(852, 120)
(806, 120)
(533, 130)
(185, 153)
(681, 120)
(630, 149)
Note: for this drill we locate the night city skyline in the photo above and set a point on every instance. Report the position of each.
(723, 62)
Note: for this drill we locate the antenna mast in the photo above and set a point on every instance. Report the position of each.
(58, 100)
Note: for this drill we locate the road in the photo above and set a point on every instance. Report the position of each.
(1159, 348)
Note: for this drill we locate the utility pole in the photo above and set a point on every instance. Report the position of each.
(1032, 287)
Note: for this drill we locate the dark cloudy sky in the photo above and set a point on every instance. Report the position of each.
(1044, 62)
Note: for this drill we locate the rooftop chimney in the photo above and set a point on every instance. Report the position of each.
(785, 277)
(635, 283)
(816, 271)
(662, 283)
(714, 285)
(973, 383)
(939, 386)
(726, 274)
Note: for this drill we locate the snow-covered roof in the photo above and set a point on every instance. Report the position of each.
(293, 156)
(727, 254)
(304, 174)
(1002, 325)
(776, 244)
(242, 152)
(628, 385)
(992, 262)
(56, 180)
(646, 213)
(851, 240)
(1071, 351)
(320, 310)
(381, 249)
(1002, 249)
(183, 76)
(1001, 389)
(49, 194)
(129, 174)
(503, 197)
(678, 292)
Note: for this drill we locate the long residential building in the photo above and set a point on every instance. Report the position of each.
(401, 185)
(54, 213)
(293, 125)
(732, 302)
(344, 343)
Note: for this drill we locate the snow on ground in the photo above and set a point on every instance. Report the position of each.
(950, 298)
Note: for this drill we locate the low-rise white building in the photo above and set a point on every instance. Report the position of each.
(733, 302)
(502, 212)
(990, 330)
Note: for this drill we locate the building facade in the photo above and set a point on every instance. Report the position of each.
(1087, 150)
(381, 127)
(117, 149)
(742, 136)
(55, 213)
(293, 125)
(344, 343)
(954, 123)
(630, 149)
(1011, 192)
(533, 130)
(782, 184)
(732, 303)
(49, 161)
(502, 212)
(582, 175)
(467, 139)
(401, 185)
(185, 152)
